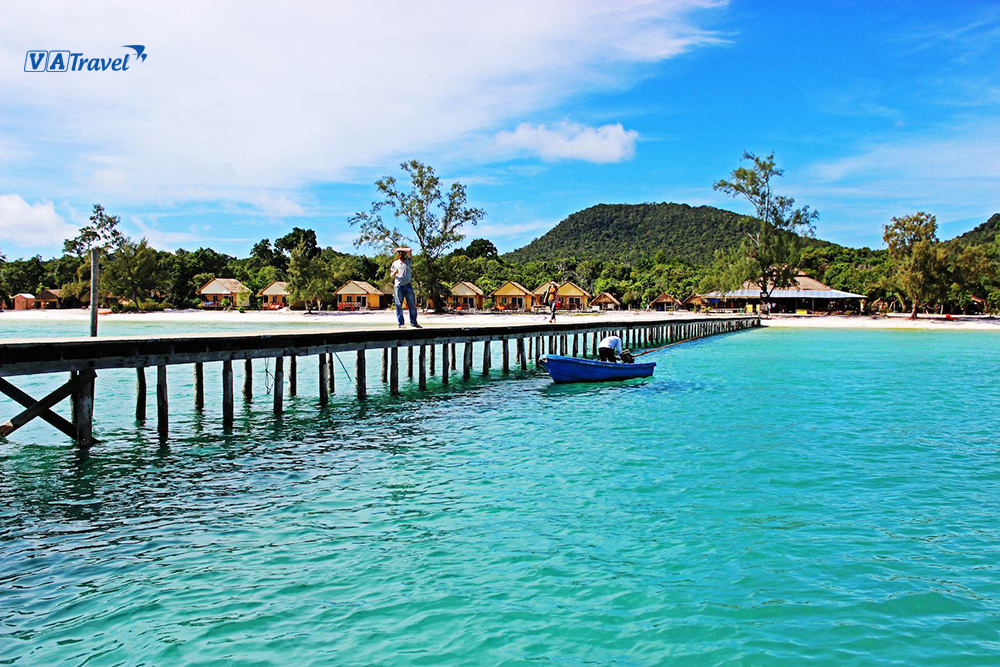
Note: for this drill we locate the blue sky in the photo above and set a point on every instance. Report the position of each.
(248, 118)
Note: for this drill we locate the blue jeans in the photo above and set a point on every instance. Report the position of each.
(406, 292)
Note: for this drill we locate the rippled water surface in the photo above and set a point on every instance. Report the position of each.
(769, 497)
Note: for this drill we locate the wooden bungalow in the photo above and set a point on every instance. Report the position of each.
(359, 295)
(665, 302)
(465, 296)
(24, 301)
(693, 302)
(275, 296)
(573, 296)
(606, 301)
(224, 293)
(512, 296)
(48, 298)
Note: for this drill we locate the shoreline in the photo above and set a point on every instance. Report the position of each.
(386, 318)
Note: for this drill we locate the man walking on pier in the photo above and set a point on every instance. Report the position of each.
(402, 274)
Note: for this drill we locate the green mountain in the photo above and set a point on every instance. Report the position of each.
(984, 233)
(635, 231)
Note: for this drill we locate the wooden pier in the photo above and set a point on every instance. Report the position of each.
(82, 358)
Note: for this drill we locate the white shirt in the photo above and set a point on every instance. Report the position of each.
(401, 271)
(612, 343)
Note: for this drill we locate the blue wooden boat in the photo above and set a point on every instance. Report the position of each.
(572, 369)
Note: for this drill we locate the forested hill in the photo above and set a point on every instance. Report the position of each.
(637, 231)
(981, 234)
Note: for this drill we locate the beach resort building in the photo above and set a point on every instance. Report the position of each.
(808, 295)
(275, 296)
(224, 293)
(48, 298)
(573, 296)
(512, 296)
(359, 295)
(465, 296)
(24, 301)
(693, 302)
(665, 302)
(606, 301)
(541, 291)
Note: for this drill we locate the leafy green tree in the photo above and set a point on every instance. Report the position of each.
(131, 271)
(433, 221)
(479, 248)
(102, 232)
(770, 255)
(296, 239)
(309, 278)
(263, 255)
(919, 262)
(24, 275)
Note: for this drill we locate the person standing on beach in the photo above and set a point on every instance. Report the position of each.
(552, 300)
(402, 274)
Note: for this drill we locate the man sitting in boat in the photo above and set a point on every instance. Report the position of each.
(609, 349)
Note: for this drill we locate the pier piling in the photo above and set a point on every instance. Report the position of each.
(360, 376)
(162, 401)
(248, 379)
(199, 386)
(140, 394)
(422, 381)
(279, 385)
(227, 393)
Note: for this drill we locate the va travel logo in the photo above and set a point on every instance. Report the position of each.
(67, 61)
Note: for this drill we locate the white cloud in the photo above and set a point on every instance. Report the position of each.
(953, 172)
(571, 141)
(171, 240)
(236, 97)
(276, 206)
(32, 225)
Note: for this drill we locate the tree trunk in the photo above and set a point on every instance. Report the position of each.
(913, 314)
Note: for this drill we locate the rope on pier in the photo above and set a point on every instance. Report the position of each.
(268, 376)
(344, 367)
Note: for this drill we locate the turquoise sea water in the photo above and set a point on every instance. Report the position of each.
(769, 497)
(138, 325)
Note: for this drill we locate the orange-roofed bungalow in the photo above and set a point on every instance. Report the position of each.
(606, 301)
(512, 296)
(573, 296)
(24, 301)
(665, 302)
(224, 293)
(48, 298)
(275, 296)
(359, 295)
(465, 296)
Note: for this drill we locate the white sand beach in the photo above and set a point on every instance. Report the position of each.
(894, 321)
(266, 320)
